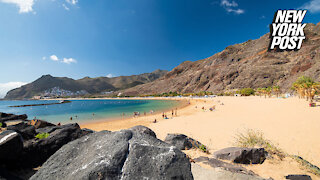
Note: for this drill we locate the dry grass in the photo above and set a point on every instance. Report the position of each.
(252, 138)
(310, 167)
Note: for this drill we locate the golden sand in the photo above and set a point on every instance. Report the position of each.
(289, 123)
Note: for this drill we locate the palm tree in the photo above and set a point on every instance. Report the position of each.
(269, 91)
(276, 90)
(306, 87)
(259, 91)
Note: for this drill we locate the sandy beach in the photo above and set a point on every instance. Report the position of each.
(288, 123)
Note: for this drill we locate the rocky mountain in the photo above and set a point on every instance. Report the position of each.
(244, 65)
(48, 84)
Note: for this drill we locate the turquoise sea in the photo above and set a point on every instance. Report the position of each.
(86, 110)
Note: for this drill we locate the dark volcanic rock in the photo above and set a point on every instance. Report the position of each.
(298, 177)
(126, 154)
(215, 163)
(10, 117)
(3, 125)
(182, 141)
(48, 129)
(25, 130)
(6, 175)
(242, 155)
(37, 151)
(139, 130)
(10, 146)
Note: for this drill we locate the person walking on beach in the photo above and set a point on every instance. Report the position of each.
(172, 113)
(163, 115)
(71, 118)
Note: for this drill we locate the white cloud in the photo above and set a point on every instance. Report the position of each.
(110, 75)
(54, 58)
(5, 87)
(65, 7)
(236, 11)
(62, 60)
(69, 60)
(231, 7)
(229, 3)
(73, 2)
(25, 6)
(313, 6)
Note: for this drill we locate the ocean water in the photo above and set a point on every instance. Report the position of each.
(83, 111)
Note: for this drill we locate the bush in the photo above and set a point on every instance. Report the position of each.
(42, 135)
(203, 148)
(247, 91)
(253, 138)
(0, 125)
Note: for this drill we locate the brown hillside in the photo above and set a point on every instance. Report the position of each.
(248, 64)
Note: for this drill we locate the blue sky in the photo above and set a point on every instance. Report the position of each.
(78, 38)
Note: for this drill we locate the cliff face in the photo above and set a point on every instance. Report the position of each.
(89, 85)
(242, 65)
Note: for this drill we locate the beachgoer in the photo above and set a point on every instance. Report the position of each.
(76, 116)
(163, 115)
(155, 121)
(71, 118)
(59, 124)
(172, 113)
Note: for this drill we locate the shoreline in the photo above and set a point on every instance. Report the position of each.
(115, 124)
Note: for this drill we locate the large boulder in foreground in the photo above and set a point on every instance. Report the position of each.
(11, 146)
(242, 155)
(25, 130)
(37, 151)
(183, 142)
(126, 154)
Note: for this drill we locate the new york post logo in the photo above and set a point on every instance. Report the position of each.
(286, 31)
